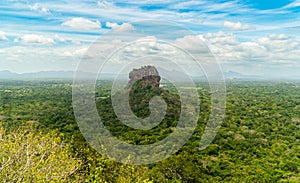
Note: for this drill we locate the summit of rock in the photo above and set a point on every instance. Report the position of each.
(148, 75)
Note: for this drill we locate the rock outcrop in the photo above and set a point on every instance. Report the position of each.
(148, 75)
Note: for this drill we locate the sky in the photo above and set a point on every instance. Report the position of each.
(248, 36)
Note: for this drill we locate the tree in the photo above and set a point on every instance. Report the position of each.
(29, 155)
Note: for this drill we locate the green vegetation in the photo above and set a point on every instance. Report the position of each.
(28, 155)
(258, 140)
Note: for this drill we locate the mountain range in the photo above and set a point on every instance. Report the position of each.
(228, 75)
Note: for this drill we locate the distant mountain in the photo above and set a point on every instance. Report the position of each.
(7, 74)
(228, 75)
(35, 75)
(50, 75)
(237, 75)
(232, 75)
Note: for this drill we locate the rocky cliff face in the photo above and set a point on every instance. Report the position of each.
(148, 75)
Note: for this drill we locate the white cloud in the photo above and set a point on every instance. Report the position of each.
(16, 40)
(120, 28)
(3, 36)
(237, 26)
(279, 37)
(82, 23)
(76, 42)
(59, 38)
(293, 4)
(197, 21)
(112, 25)
(39, 8)
(276, 43)
(270, 50)
(45, 10)
(26, 58)
(253, 51)
(105, 4)
(191, 43)
(228, 49)
(34, 7)
(78, 52)
(220, 38)
(37, 39)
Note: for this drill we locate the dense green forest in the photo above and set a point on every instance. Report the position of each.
(258, 140)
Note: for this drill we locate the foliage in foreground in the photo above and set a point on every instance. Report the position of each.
(28, 155)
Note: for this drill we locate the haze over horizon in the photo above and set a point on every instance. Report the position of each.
(249, 37)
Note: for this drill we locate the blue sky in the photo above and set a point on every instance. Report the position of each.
(247, 36)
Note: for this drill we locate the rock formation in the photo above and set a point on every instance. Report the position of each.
(148, 75)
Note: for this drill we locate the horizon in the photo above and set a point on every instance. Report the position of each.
(228, 75)
(248, 37)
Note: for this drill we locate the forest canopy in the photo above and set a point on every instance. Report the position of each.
(258, 140)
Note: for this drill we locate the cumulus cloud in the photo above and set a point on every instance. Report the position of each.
(228, 49)
(120, 28)
(253, 51)
(36, 58)
(82, 23)
(237, 26)
(191, 43)
(279, 43)
(279, 37)
(79, 52)
(143, 45)
(273, 49)
(220, 38)
(3, 36)
(37, 39)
